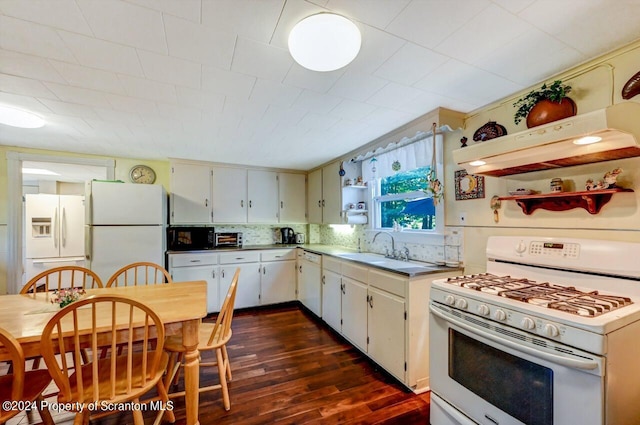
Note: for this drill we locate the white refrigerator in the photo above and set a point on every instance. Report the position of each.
(125, 223)
(54, 232)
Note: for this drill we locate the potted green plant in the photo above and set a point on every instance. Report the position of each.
(548, 103)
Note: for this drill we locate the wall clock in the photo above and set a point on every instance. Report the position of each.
(142, 174)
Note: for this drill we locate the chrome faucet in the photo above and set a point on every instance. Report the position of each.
(393, 244)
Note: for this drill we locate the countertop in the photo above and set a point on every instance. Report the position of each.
(421, 268)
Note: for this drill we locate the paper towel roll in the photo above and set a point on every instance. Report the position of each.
(356, 219)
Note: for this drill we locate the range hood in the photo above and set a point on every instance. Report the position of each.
(552, 145)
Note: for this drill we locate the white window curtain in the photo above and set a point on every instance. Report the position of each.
(415, 155)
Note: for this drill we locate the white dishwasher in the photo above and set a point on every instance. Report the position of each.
(310, 281)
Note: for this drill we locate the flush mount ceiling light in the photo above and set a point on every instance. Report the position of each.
(324, 42)
(19, 118)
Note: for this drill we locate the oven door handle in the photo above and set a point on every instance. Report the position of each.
(564, 361)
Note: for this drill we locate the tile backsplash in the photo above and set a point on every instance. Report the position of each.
(356, 236)
(260, 234)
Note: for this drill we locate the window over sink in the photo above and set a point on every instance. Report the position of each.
(401, 199)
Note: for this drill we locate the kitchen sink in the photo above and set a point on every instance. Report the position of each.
(387, 263)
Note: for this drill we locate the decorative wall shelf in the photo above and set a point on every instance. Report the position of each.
(592, 200)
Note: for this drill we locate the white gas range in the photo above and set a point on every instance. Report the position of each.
(548, 335)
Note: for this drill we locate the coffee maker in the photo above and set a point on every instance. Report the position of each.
(288, 236)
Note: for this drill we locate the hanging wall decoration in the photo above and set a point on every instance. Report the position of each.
(468, 186)
(434, 187)
(396, 166)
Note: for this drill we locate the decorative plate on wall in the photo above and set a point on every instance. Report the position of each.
(468, 186)
(489, 131)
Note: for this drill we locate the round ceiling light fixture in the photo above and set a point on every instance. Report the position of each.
(19, 118)
(324, 42)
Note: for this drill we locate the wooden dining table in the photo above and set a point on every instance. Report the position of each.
(180, 305)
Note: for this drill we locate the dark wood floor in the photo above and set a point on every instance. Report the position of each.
(289, 368)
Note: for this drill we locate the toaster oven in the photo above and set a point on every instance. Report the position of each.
(228, 239)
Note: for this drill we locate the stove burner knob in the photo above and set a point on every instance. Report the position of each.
(483, 309)
(450, 300)
(461, 304)
(551, 330)
(528, 323)
(500, 315)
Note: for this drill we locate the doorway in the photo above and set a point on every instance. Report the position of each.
(69, 169)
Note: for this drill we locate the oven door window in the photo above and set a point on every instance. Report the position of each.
(518, 387)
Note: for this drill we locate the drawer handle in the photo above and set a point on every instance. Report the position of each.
(239, 258)
(195, 261)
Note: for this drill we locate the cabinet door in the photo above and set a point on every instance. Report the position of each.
(229, 195)
(278, 282)
(293, 199)
(190, 194)
(387, 331)
(331, 194)
(309, 287)
(354, 312)
(314, 197)
(332, 299)
(262, 196)
(248, 292)
(208, 273)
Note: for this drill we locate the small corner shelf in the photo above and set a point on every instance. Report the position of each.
(355, 211)
(592, 200)
(355, 186)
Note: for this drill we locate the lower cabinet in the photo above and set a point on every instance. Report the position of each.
(384, 314)
(278, 279)
(332, 292)
(186, 267)
(266, 276)
(310, 282)
(354, 312)
(386, 331)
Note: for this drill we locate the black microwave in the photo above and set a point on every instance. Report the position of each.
(190, 238)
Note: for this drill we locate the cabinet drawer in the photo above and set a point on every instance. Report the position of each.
(239, 257)
(388, 282)
(186, 260)
(332, 264)
(278, 255)
(355, 271)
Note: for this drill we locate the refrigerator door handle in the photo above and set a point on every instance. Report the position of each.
(63, 225)
(87, 243)
(55, 228)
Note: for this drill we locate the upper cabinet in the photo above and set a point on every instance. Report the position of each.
(190, 198)
(292, 191)
(262, 196)
(324, 195)
(205, 194)
(229, 195)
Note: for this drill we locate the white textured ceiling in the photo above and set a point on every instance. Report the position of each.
(213, 80)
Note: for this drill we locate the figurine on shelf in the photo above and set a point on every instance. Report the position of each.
(359, 181)
(609, 181)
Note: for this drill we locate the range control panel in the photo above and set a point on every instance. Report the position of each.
(554, 249)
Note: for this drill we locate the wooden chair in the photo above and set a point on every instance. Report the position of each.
(141, 273)
(212, 337)
(63, 277)
(115, 379)
(58, 278)
(20, 385)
